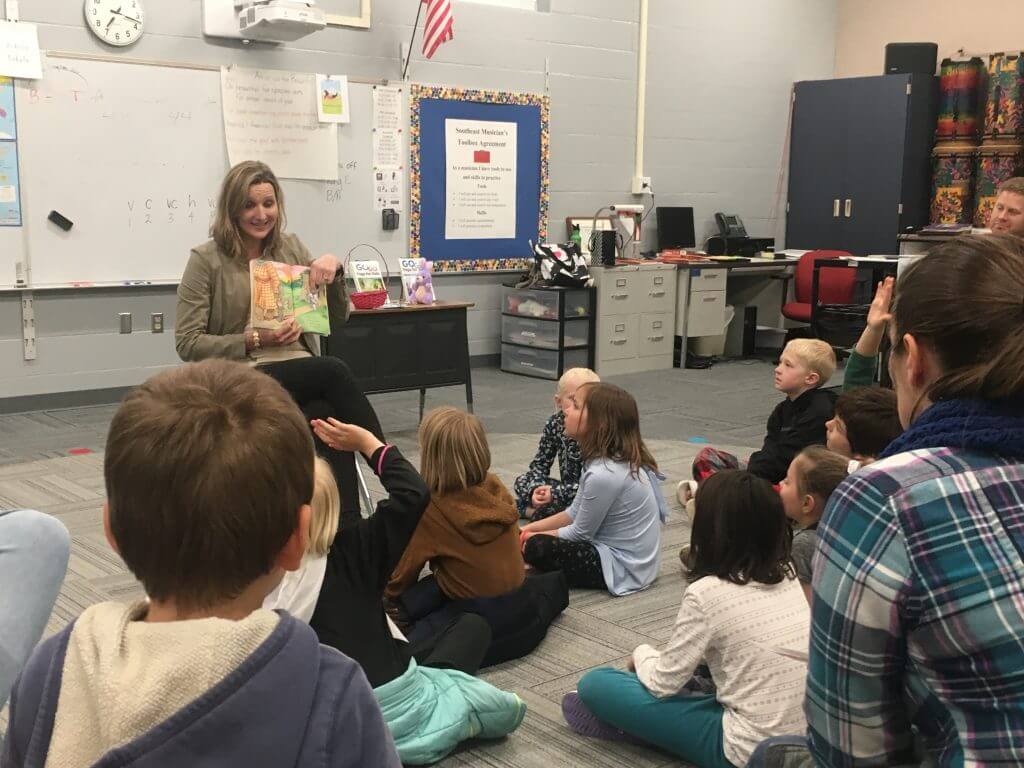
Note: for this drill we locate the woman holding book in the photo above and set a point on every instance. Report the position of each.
(214, 310)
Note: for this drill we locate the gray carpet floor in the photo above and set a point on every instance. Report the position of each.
(53, 461)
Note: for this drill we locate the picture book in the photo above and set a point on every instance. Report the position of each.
(366, 276)
(280, 291)
(417, 286)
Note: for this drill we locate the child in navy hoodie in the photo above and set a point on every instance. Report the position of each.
(209, 475)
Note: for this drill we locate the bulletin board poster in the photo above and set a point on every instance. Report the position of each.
(479, 177)
(10, 185)
(8, 126)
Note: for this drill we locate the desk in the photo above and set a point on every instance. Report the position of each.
(396, 349)
(704, 290)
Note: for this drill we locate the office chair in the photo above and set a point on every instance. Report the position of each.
(835, 286)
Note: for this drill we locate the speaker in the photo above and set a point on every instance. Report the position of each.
(911, 58)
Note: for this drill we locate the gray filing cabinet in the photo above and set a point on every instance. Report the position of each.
(701, 305)
(636, 307)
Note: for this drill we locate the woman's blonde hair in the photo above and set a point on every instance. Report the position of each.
(454, 454)
(613, 426)
(326, 506)
(234, 193)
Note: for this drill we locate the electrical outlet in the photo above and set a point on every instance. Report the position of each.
(156, 322)
(641, 185)
(125, 319)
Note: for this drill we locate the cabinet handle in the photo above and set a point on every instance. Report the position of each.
(656, 294)
(528, 334)
(620, 295)
(710, 298)
(617, 341)
(848, 208)
(835, 208)
(659, 337)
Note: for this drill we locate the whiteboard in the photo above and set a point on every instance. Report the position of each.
(134, 156)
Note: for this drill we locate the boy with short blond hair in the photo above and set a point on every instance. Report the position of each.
(209, 475)
(797, 422)
(537, 494)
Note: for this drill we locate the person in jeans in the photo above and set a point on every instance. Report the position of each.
(34, 550)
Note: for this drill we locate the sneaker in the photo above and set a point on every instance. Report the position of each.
(686, 490)
(585, 723)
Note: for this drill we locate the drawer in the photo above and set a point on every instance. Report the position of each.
(656, 335)
(659, 293)
(707, 279)
(541, 363)
(544, 304)
(616, 337)
(621, 292)
(544, 333)
(706, 314)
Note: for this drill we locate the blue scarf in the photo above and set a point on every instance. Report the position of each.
(995, 427)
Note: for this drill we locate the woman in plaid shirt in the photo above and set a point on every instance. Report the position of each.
(918, 610)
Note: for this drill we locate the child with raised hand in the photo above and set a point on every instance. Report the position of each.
(429, 705)
(812, 477)
(538, 495)
(209, 473)
(860, 367)
(610, 536)
(743, 614)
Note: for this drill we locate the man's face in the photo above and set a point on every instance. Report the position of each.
(1008, 214)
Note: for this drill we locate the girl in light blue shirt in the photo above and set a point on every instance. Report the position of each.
(610, 537)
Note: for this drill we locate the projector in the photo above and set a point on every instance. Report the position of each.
(280, 21)
(274, 21)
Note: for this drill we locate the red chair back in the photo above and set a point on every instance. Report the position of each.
(835, 286)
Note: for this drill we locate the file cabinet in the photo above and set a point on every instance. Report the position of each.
(636, 307)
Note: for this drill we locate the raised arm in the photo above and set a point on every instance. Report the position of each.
(191, 337)
(860, 368)
(856, 711)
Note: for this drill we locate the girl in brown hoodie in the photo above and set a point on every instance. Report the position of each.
(469, 532)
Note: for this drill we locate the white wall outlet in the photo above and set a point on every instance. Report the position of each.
(641, 185)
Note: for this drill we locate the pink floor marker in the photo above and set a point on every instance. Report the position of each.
(79, 451)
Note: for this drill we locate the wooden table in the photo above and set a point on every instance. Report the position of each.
(396, 349)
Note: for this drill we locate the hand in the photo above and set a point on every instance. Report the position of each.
(541, 496)
(324, 270)
(345, 437)
(288, 333)
(878, 312)
(525, 534)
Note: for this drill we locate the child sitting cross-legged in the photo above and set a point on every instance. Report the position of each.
(209, 473)
(469, 535)
(742, 614)
(805, 366)
(538, 495)
(609, 538)
(812, 477)
(430, 704)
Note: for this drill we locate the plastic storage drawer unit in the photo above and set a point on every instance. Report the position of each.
(541, 363)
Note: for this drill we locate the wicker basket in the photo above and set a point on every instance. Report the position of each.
(369, 299)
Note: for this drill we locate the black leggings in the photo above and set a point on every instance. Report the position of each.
(461, 645)
(578, 560)
(323, 387)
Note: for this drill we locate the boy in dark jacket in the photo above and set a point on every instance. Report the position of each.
(797, 422)
(209, 474)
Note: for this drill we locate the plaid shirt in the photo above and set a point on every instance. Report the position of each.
(918, 613)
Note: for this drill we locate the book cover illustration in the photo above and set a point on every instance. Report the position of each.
(280, 291)
(367, 277)
(416, 281)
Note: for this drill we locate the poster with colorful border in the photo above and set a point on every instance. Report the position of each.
(10, 185)
(429, 108)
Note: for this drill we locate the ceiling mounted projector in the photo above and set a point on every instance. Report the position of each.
(275, 21)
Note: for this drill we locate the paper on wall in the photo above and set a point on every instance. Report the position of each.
(480, 179)
(332, 102)
(387, 126)
(19, 50)
(270, 115)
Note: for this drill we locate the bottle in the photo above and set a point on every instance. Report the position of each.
(575, 237)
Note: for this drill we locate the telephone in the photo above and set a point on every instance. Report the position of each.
(730, 225)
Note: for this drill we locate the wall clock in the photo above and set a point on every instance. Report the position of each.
(115, 22)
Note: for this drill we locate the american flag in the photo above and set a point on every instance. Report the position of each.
(438, 27)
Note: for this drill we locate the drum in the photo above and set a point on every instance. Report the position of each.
(1003, 110)
(960, 88)
(953, 164)
(997, 161)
